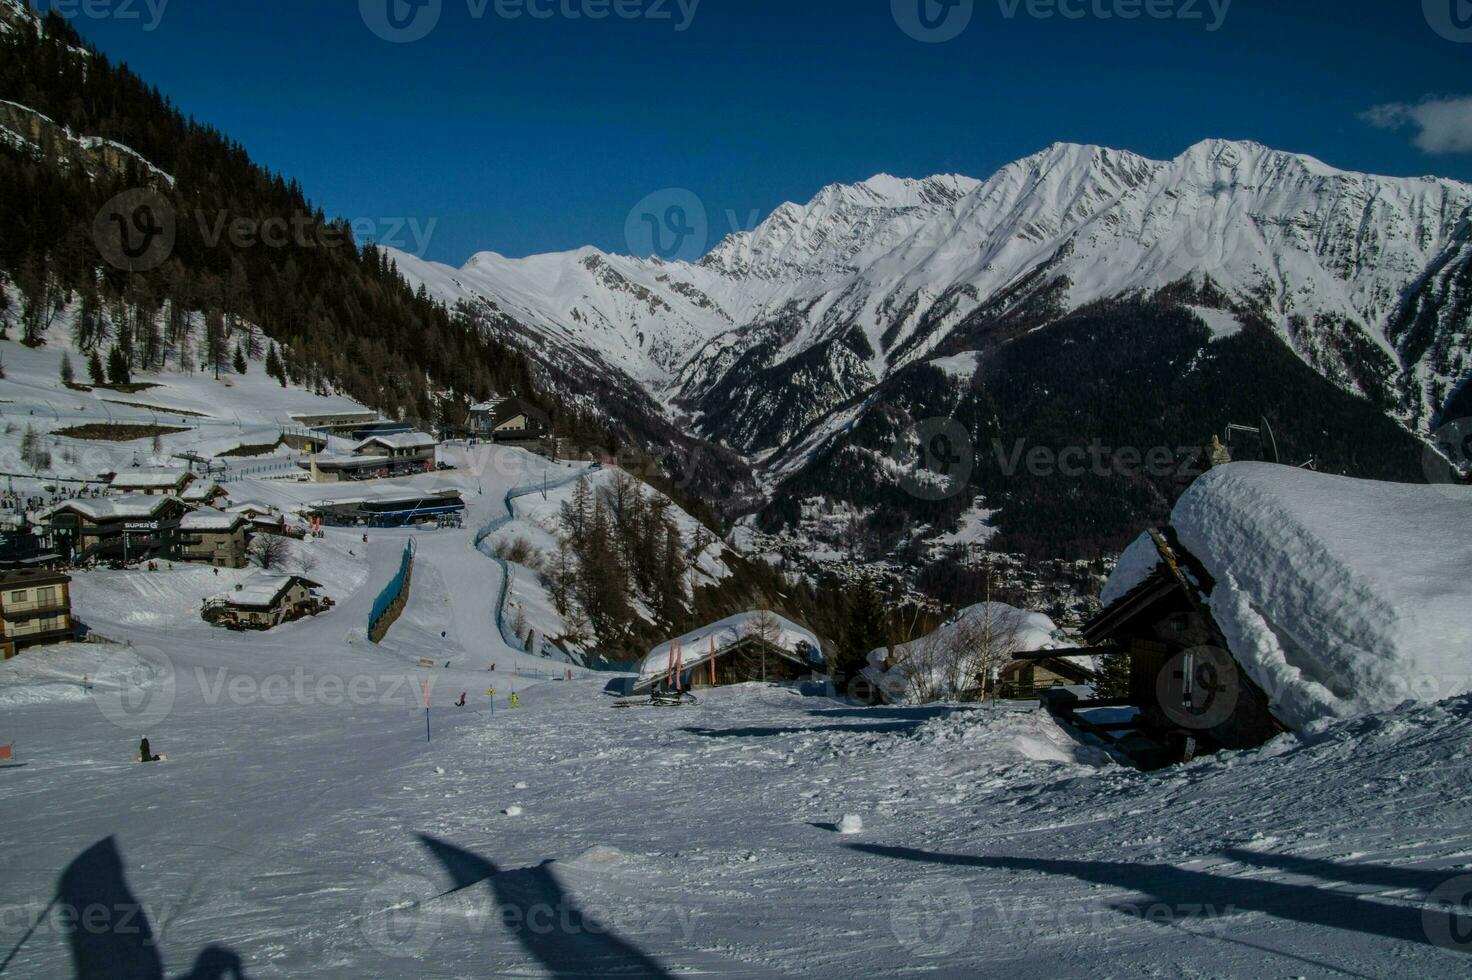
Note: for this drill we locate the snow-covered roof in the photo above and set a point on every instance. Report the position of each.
(115, 508)
(1023, 630)
(696, 646)
(489, 405)
(250, 508)
(1339, 597)
(261, 590)
(201, 491)
(210, 520)
(150, 479)
(400, 440)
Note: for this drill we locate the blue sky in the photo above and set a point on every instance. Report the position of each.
(523, 135)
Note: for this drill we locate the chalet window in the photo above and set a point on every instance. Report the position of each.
(18, 596)
(48, 594)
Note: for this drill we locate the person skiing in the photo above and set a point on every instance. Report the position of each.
(461, 702)
(515, 700)
(145, 751)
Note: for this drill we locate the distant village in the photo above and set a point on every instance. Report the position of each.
(145, 517)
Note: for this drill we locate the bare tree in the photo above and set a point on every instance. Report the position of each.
(964, 658)
(269, 551)
(766, 629)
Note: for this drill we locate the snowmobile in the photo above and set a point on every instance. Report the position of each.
(672, 699)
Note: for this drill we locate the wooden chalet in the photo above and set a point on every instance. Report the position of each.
(518, 421)
(264, 601)
(738, 650)
(128, 529)
(1188, 694)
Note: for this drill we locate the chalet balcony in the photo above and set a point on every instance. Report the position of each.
(34, 608)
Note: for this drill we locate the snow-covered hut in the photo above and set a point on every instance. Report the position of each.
(1280, 598)
(750, 646)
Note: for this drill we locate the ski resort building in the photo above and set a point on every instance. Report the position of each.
(152, 482)
(376, 457)
(517, 421)
(480, 421)
(445, 506)
(35, 608)
(131, 528)
(264, 601)
(205, 494)
(750, 647)
(1279, 598)
(209, 537)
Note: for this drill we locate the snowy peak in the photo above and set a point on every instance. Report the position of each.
(867, 278)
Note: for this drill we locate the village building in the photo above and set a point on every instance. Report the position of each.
(130, 528)
(152, 482)
(209, 537)
(376, 457)
(1270, 603)
(480, 421)
(517, 421)
(35, 608)
(263, 518)
(264, 601)
(205, 494)
(335, 422)
(399, 510)
(756, 646)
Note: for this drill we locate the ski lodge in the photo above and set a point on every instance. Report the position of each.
(750, 647)
(152, 482)
(134, 527)
(517, 421)
(264, 601)
(35, 608)
(377, 457)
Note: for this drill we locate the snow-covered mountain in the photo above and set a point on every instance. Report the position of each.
(1367, 278)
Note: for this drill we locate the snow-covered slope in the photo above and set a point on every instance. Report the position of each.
(824, 300)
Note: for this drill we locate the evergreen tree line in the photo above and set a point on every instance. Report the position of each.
(340, 314)
(622, 549)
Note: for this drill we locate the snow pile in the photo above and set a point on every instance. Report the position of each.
(991, 738)
(696, 646)
(1339, 597)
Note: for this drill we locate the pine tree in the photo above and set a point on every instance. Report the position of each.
(67, 375)
(216, 349)
(240, 363)
(864, 630)
(1114, 677)
(94, 369)
(118, 372)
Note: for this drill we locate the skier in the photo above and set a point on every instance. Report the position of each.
(145, 751)
(515, 700)
(461, 702)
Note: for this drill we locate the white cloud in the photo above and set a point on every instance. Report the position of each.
(1444, 125)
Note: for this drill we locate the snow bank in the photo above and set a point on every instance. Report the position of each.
(696, 646)
(1339, 597)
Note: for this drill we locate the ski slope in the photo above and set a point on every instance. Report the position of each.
(307, 825)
